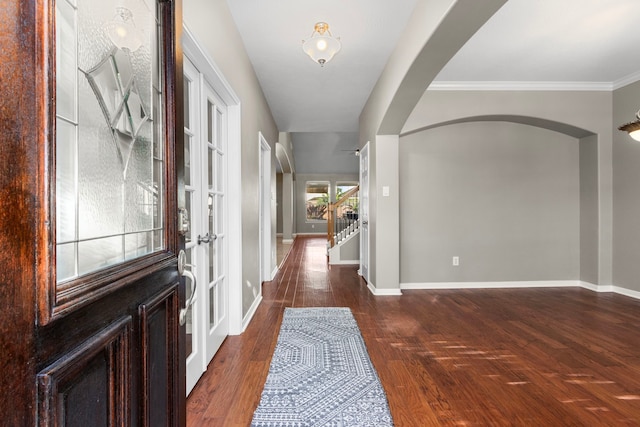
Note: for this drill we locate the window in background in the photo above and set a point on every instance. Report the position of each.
(317, 200)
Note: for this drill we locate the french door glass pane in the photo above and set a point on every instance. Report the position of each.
(212, 306)
(109, 144)
(187, 159)
(211, 166)
(210, 123)
(189, 315)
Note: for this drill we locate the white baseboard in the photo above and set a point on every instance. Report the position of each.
(383, 292)
(251, 312)
(492, 285)
(345, 262)
(273, 273)
(287, 240)
(523, 284)
(626, 292)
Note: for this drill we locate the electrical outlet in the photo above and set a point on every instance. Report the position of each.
(456, 261)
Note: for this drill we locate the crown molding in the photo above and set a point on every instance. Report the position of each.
(522, 86)
(532, 86)
(631, 78)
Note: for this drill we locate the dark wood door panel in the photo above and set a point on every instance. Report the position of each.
(159, 340)
(89, 385)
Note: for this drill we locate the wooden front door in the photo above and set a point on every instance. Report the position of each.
(90, 161)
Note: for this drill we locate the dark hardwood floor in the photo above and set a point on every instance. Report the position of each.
(508, 357)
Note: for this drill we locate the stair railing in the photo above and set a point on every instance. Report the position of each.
(343, 217)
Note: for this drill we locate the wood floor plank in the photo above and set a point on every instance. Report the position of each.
(495, 357)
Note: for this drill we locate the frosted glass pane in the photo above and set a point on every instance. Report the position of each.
(158, 240)
(158, 186)
(66, 261)
(140, 195)
(110, 169)
(100, 253)
(66, 61)
(100, 177)
(65, 182)
(137, 244)
(158, 135)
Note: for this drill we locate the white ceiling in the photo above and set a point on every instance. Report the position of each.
(538, 44)
(303, 96)
(575, 43)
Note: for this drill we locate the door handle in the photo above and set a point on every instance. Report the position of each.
(182, 264)
(365, 222)
(206, 238)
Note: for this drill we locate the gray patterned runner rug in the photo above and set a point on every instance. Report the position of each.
(321, 374)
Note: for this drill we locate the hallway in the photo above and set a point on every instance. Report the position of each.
(520, 357)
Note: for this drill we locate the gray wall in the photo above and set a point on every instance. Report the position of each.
(278, 202)
(503, 197)
(302, 226)
(584, 115)
(213, 26)
(589, 219)
(626, 191)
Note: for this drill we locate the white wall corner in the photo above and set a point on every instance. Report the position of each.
(251, 312)
(273, 273)
(383, 292)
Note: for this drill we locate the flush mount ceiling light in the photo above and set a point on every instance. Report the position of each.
(122, 30)
(322, 45)
(633, 128)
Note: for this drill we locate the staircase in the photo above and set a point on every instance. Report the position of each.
(343, 229)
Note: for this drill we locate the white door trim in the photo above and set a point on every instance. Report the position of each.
(265, 209)
(216, 79)
(365, 236)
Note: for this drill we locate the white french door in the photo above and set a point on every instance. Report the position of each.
(205, 175)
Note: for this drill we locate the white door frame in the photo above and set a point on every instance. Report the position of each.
(214, 76)
(265, 209)
(365, 240)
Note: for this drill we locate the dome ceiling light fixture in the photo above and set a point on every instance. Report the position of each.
(633, 128)
(322, 46)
